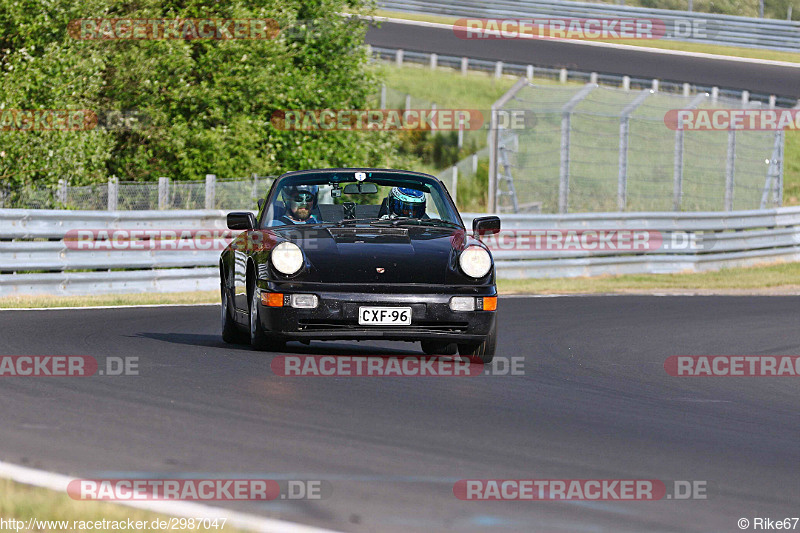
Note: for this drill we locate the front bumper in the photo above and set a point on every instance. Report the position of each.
(336, 316)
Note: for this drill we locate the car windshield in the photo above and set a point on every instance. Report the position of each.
(359, 197)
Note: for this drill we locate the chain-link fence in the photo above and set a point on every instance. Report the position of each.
(213, 193)
(595, 149)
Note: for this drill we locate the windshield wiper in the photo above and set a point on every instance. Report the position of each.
(435, 222)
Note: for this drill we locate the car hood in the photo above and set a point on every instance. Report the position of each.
(373, 254)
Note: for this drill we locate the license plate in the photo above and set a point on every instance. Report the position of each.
(383, 316)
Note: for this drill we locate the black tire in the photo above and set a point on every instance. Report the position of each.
(230, 333)
(439, 348)
(258, 339)
(480, 352)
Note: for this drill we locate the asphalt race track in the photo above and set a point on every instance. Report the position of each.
(760, 78)
(595, 403)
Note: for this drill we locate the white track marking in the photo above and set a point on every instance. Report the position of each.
(59, 483)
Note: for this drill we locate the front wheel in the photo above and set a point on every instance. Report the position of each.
(258, 339)
(230, 333)
(480, 352)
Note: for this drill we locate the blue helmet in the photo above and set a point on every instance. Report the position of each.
(406, 202)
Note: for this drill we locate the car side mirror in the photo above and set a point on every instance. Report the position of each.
(486, 225)
(241, 220)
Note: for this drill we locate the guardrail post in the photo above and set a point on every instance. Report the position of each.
(163, 193)
(655, 85)
(398, 58)
(626, 83)
(464, 65)
(686, 89)
(562, 75)
(714, 94)
(460, 133)
(474, 163)
(434, 61)
(61, 193)
(563, 172)
(593, 77)
(211, 191)
(529, 72)
(383, 96)
(498, 69)
(408, 102)
(730, 170)
(624, 129)
(745, 97)
(772, 100)
(113, 193)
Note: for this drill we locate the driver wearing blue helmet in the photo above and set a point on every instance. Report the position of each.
(300, 201)
(405, 203)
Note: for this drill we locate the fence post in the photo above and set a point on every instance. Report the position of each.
(211, 190)
(624, 128)
(566, 119)
(460, 133)
(61, 192)
(677, 171)
(730, 170)
(113, 193)
(455, 184)
(494, 143)
(163, 193)
(398, 58)
(408, 102)
(474, 163)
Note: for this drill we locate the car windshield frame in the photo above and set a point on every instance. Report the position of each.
(447, 211)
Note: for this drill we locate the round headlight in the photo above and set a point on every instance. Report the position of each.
(287, 258)
(475, 262)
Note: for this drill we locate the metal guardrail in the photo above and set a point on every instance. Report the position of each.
(34, 257)
(532, 71)
(726, 30)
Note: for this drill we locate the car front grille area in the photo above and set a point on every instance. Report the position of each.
(344, 325)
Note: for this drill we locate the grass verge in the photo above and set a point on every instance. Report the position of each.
(783, 278)
(23, 502)
(113, 300)
(734, 51)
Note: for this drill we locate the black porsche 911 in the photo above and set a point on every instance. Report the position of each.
(360, 254)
